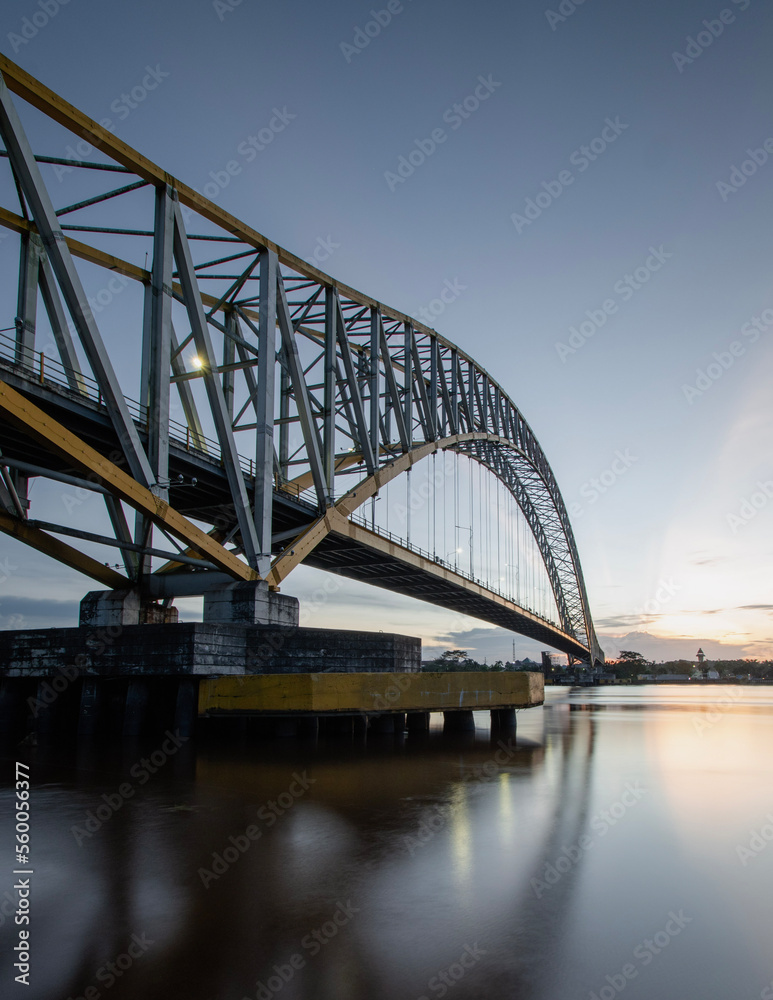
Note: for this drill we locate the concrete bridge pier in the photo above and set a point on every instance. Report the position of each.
(308, 727)
(459, 721)
(338, 725)
(388, 723)
(91, 706)
(250, 603)
(286, 728)
(113, 609)
(503, 719)
(186, 706)
(47, 711)
(418, 722)
(13, 709)
(135, 713)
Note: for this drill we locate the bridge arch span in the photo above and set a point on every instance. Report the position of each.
(299, 395)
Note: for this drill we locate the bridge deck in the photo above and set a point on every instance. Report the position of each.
(360, 555)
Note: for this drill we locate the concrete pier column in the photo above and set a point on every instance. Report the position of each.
(383, 724)
(186, 706)
(503, 719)
(136, 707)
(13, 709)
(46, 709)
(308, 727)
(339, 725)
(418, 722)
(90, 705)
(285, 728)
(460, 721)
(250, 603)
(111, 607)
(116, 608)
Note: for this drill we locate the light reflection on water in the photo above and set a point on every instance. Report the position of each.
(383, 869)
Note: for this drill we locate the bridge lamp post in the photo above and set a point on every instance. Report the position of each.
(462, 527)
(455, 553)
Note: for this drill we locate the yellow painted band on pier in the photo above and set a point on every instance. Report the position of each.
(369, 692)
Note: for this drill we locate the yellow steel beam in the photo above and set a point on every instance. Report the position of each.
(433, 691)
(378, 543)
(58, 440)
(62, 552)
(51, 104)
(336, 516)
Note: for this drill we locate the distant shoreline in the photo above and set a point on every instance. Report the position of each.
(624, 682)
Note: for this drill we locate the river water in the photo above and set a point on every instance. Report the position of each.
(621, 844)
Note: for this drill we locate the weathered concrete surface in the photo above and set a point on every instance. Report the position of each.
(250, 604)
(369, 692)
(101, 608)
(309, 650)
(200, 648)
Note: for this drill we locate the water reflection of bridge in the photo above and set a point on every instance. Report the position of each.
(454, 828)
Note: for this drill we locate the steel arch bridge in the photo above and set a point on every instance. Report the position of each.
(335, 394)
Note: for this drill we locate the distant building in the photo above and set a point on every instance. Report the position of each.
(701, 657)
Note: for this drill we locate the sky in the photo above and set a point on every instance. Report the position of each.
(601, 206)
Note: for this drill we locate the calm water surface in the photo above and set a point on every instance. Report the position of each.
(617, 846)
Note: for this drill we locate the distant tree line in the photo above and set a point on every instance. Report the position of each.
(630, 664)
(458, 659)
(627, 666)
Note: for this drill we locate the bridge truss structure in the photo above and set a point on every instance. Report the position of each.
(300, 397)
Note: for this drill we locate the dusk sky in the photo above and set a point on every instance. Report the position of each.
(603, 214)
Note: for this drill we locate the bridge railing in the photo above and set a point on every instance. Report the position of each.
(433, 557)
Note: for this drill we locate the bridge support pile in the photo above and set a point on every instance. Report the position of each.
(131, 668)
